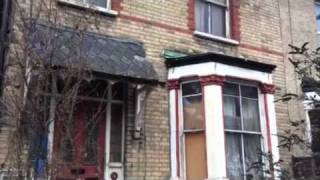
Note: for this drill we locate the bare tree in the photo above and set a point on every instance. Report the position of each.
(47, 80)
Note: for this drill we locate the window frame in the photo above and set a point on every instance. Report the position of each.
(84, 4)
(242, 133)
(227, 21)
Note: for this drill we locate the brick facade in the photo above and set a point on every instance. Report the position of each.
(261, 27)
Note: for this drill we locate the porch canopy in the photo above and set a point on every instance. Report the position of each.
(119, 58)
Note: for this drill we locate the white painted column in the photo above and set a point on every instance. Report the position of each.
(173, 86)
(215, 137)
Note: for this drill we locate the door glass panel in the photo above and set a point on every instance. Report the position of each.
(116, 133)
(91, 139)
(66, 149)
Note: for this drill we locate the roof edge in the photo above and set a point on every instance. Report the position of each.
(220, 58)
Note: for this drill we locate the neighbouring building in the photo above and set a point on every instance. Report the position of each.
(191, 84)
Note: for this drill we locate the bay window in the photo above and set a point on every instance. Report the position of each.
(242, 129)
(222, 119)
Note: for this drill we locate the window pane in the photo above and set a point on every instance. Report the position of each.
(234, 157)
(249, 91)
(191, 88)
(116, 133)
(231, 89)
(202, 16)
(193, 113)
(101, 3)
(252, 149)
(232, 118)
(317, 7)
(218, 20)
(250, 115)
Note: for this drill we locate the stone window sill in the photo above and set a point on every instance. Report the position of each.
(102, 10)
(216, 38)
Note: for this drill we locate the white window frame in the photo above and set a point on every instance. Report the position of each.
(263, 138)
(227, 38)
(84, 4)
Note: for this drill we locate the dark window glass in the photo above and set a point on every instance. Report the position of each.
(118, 91)
(249, 92)
(231, 89)
(191, 88)
(232, 114)
(116, 133)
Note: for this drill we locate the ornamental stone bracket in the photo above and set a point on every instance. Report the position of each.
(173, 84)
(212, 80)
(267, 88)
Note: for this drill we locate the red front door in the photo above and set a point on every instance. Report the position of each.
(79, 143)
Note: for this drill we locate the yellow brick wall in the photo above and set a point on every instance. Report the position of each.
(162, 24)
